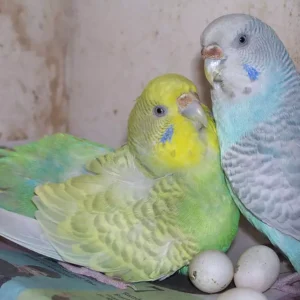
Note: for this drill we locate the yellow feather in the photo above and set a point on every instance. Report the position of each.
(187, 146)
(184, 150)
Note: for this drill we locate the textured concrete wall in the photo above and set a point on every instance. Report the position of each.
(84, 78)
(33, 47)
(121, 44)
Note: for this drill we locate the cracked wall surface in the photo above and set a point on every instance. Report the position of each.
(33, 46)
(78, 66)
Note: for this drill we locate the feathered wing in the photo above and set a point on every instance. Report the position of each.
(117, 221)
(269, 185)
(27, 233)
(54, 158)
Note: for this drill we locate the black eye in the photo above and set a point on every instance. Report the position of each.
(160, 111)
(243, 39)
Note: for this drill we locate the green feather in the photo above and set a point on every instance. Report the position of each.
(54, 158)
(118, 220)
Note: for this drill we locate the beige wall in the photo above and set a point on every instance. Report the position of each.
(121, 44)
(33, 95)
(115, 47)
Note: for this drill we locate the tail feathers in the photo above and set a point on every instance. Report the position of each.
(27, 233)
(54, 158)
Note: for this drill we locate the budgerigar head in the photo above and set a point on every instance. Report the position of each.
(167, 128)
(241, 53)
(248, 68)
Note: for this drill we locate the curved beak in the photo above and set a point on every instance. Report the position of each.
(212, 70)
(189, 106)
(213, 57)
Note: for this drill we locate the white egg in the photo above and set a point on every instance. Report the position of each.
(211, 271)
(242, 294)
(257, 268)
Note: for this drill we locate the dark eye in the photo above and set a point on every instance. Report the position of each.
(160, 111)
(243, 39)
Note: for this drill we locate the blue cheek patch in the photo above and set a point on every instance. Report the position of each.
(252, 72)
(167, 137)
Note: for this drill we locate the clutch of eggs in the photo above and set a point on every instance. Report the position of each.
(257, 269)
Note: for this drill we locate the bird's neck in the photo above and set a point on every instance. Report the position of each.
(235, 118)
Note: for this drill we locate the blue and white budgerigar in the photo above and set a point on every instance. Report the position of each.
(137, 213)
(256, 104)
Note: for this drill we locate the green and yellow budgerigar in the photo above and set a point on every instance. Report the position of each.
(138, 213)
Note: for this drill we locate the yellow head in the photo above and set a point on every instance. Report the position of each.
(168, 129)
